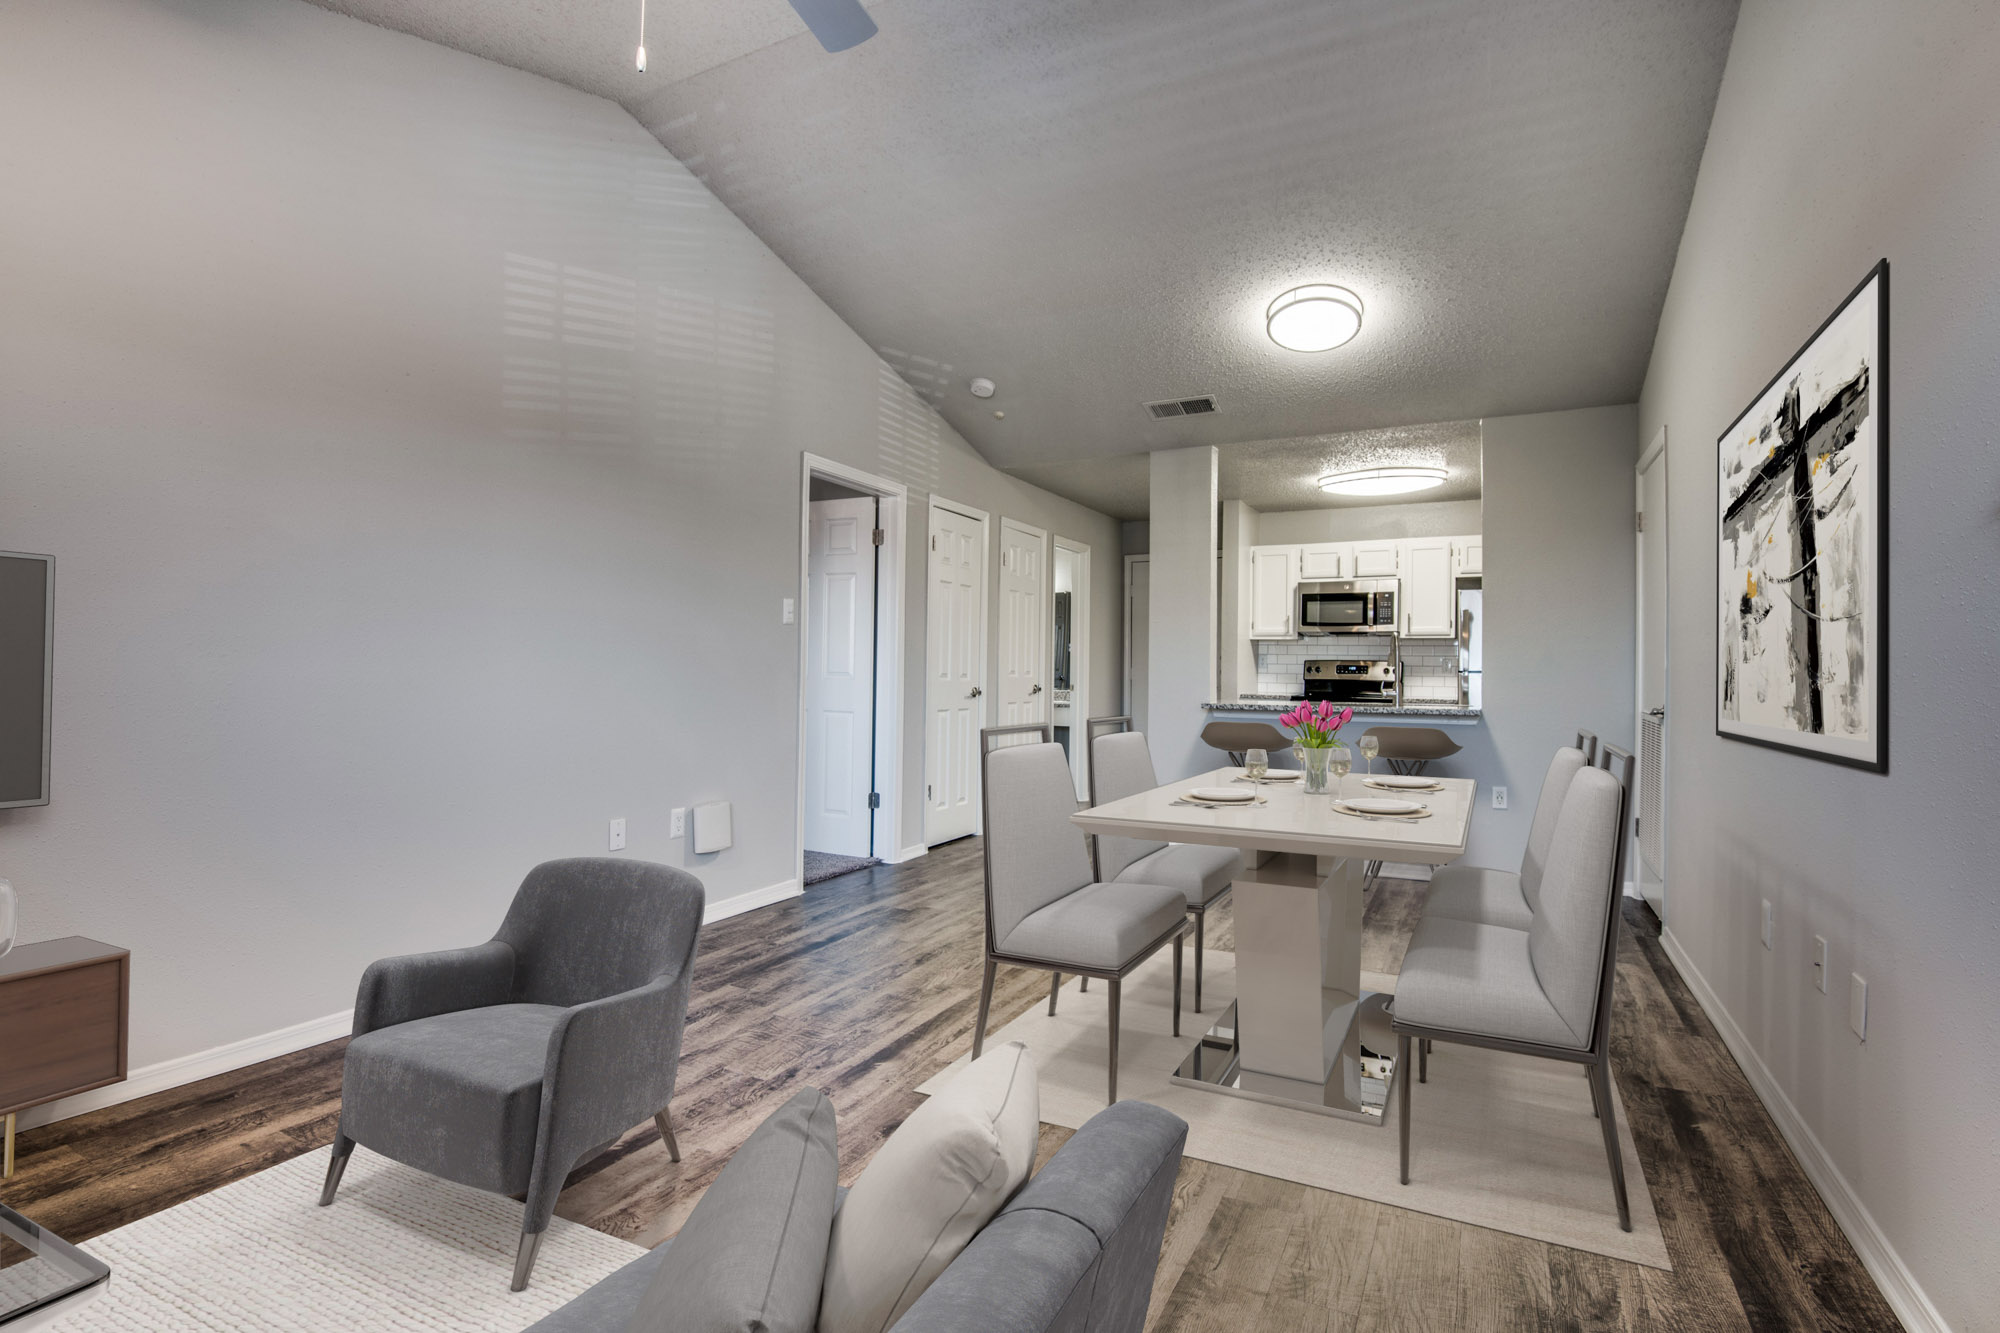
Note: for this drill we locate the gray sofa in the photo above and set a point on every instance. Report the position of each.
(1073, 1252)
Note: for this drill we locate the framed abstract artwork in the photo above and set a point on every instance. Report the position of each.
(1802, 564)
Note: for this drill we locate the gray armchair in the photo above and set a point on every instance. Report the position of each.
(505, 1065)
(1044, 908)
(1121, 765)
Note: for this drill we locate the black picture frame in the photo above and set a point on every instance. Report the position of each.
(1873, 754)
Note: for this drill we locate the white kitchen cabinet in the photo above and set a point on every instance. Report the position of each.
(1429, 596)
(1377, 560)
(1274, 580)
(1325, 560)
(1468, 556)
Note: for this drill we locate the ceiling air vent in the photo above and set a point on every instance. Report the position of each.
(1181, 407)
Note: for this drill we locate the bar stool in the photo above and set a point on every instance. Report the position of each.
(1409, 749)
(1233, 738)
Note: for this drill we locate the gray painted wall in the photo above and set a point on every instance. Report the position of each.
(1180, 662)
(1847, 131)
(1452, 518)
(373, 588)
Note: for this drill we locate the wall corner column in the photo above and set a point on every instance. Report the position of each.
(1181, 642)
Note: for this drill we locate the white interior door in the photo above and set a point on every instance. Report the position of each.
(840, 676)
(1651, 806)
(1138, 622)
(955, 673)
(1069, 564)
(1024, 624)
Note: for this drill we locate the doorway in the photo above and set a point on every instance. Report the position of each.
(1650, 865)
(851, 538)
(954, 670)
(1024, 624)
(1069, 655)
(1138, 622)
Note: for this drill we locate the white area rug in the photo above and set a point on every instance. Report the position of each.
(1500, 1141)
(397, 1250)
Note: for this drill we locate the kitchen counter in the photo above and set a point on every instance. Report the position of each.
(1271, 703)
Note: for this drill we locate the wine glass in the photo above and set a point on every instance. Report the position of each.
(1338, 764)
(1371, 745)
(1257, 763)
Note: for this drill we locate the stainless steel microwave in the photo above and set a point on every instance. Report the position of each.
(1348, 606)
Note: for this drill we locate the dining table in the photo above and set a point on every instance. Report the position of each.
(1302, 1031)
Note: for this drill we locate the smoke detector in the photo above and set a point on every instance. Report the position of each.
(983, 388)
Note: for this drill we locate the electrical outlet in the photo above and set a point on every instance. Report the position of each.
(1770, 923)
(1499, 798)
(1857, 1004)
(617, 835)
(1819, 963)
(679, 826)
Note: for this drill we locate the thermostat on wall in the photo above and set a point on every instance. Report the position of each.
(711, 827)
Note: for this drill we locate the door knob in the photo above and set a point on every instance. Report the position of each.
(1656, 712)
(1036, 690)
(976, 692)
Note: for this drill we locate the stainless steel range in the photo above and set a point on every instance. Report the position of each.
(1351, 680)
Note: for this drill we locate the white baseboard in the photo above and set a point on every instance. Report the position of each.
(751, 901)
(1899, 1285)
(907, 854)
(186, 1069)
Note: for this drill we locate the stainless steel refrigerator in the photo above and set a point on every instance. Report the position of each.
(1470, 660)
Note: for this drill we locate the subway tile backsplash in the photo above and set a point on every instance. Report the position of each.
(1429, 666)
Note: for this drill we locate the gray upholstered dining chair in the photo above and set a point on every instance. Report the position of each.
(504, 1066)
(1508, 897)
(1544, 991)
(1044, 907)
(1121, 765)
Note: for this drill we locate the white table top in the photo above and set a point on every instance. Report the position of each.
(1291, 821)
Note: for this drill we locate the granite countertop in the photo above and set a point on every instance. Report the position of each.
(1272, 703)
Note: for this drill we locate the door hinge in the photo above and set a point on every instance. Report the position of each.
(928, 792)
(934, 541)
(874, 800)
(1639, 521)
(880, 536)
(1636, 821)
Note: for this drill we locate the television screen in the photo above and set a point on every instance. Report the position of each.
(25, 585)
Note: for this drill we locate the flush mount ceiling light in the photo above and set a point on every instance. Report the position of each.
(1384, 480)
(1313, 319)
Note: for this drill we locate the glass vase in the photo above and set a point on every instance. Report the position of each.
(8, 917)
(1316, 761)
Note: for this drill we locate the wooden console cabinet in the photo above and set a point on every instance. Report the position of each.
(63, 1006)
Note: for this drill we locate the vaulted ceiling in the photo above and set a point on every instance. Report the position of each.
(1091, 203)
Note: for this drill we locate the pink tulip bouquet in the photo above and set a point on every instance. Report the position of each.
(1316, 727)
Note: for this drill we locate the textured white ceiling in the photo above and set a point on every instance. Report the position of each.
(1274, 475)
(1091, 203)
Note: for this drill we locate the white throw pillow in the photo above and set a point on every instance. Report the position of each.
(939, 1179)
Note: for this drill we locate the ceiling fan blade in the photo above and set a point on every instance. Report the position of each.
(838, 24)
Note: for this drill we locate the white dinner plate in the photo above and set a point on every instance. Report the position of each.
(1224, 795)
(1280, 775)
(1382, 805)
(1394, 782)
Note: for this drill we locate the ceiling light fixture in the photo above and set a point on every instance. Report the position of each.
(1318, 318)
(642, 36)
(1384, 480)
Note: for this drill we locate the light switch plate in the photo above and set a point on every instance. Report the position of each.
(678, 822)
(791, 610)
(1857, 1004)
(617, 835)
(1770, 923)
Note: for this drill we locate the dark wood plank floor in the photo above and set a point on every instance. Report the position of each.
(866, 987)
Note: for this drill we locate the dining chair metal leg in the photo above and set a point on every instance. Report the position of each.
(1424, 1061)
(1177, 984)
(1083, 985)
(1403, 1097)
(985, 1006)
(524, 1258)
(1600, 1082)
(1596, 1106)
(1200, 919)
(666, 1125)
(1114, 1041)
(1055, 988)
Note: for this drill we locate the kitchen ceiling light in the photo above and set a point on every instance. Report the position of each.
(1313, 319)
(1384, 480)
